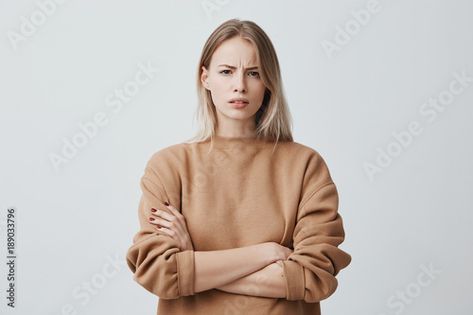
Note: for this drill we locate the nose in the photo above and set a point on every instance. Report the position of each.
(240, 82)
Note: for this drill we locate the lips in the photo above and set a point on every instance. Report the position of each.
(239, 101)
(238, 104)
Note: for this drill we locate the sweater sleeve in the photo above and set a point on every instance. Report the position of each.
(311, 269)
(155, 259)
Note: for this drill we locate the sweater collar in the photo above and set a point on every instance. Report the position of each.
(228, 142)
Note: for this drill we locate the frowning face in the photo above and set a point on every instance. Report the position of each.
(233, 78)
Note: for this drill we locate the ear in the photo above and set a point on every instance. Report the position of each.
(204, 78)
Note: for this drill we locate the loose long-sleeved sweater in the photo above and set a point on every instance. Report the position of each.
(244, 191)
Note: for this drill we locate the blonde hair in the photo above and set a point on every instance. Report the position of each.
(273, 119)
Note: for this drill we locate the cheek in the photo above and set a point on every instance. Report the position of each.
(219, 95)
(258, 89)
(219, 89)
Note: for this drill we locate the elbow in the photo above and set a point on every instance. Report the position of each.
(309, 283)
(320, 291)
(155, 282)
(166, 293)
(315, 288)
(168, 276)
(158, 282)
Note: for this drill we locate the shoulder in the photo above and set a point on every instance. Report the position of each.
(308, 155)
(167, 156)
(316, 169)
(163, 170)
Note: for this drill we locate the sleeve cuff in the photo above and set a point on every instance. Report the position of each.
(185, 272)
(295, 281)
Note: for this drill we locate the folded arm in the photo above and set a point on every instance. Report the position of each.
(309, 273)
(222, 267)
(266, 282)
(163, 269)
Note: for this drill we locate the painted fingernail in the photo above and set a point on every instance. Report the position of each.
(166, 203)
(151, 219)
(153, 210)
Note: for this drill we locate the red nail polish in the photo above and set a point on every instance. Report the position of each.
(151, 219)
(166, 203)
(153, 210)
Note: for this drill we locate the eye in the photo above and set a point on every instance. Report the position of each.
(254, 74)
(223, 71)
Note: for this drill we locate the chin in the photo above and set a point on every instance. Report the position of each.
(235, 113)
(238, 116)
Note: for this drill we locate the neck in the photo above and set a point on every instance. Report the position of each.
(236, 130)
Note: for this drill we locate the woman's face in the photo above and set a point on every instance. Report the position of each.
(234, 73)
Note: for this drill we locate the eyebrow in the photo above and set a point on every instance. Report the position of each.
(232, 67)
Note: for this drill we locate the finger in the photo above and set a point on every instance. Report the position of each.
(176, 223)
(180, 222)
(172, 222)
(174, 211)
(160, 232)
(163, 214)
(152, 220)
(160, 222)
(173, 227)
(167, 231)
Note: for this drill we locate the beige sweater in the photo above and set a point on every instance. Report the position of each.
(238, 194)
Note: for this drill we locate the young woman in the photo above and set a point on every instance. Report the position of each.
(240, 219)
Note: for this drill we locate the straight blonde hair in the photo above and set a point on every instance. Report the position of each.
(273, 119)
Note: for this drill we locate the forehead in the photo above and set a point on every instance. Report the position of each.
(235, 51)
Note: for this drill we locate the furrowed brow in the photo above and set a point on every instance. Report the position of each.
(233, 67)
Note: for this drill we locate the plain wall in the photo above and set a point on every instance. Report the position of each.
(382, 89)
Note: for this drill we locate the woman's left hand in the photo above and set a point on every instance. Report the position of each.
(172, 224)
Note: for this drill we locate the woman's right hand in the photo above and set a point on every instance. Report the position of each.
(279, 252)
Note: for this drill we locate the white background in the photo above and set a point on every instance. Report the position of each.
(75, 220)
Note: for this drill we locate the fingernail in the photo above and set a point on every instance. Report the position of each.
(166, 203)
(153, 210)
(151, 219)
